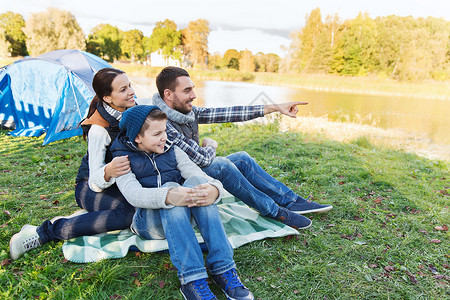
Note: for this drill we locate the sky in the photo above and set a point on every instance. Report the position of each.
(256, 25)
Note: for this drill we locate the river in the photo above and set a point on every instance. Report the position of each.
(409, 123)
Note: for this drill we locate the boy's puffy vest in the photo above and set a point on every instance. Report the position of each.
(151, 170)
(102, 118)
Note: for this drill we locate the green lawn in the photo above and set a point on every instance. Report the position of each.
(386, 237)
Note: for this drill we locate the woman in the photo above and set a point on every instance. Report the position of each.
(95, 189)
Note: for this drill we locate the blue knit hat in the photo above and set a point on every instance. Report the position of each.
(133, 119)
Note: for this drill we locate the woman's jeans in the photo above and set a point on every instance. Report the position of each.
(184, 249)
(107, 211)
(241, 175)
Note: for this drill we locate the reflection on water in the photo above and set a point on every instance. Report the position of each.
(424, 122)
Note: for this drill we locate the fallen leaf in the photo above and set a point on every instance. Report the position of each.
(3, 225)
(377, 201)
(136, 282)
(56, 202)
(161, 283)
(373, 266)
(7, 212)
(389, 268)
(423, 231)
(341, 182)
(259, 278)
(411, 277)
(331, 225)
(446, 266)
(435, 241)
(137, 253)
(5, 262)
(43, 197)
(64, 261)
(135, 274)
(115, 297)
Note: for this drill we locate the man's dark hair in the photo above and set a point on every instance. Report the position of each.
(167, 79)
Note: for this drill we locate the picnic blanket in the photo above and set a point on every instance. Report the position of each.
(242, 225)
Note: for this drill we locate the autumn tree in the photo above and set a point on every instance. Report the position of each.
(231, 59)
(247, 61)
(132, 46)
(51, 30)
(166, 38)
(195, 41)
(105, 41)
(13, 39)
(215, 61)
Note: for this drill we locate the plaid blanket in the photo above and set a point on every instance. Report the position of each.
(242, 225)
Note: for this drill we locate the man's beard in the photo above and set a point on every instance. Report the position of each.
(180, 106)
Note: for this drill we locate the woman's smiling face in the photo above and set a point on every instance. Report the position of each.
(122, 94)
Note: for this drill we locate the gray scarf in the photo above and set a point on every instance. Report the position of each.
(173, 115)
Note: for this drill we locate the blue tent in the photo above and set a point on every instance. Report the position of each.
(50, 93)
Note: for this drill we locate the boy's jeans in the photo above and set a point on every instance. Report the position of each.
(175, 225)
(241, 175)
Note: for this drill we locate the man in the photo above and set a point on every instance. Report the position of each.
(238, 172)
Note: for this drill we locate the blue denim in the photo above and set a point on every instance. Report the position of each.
(241, 175)
(107, 211)
(184, 249)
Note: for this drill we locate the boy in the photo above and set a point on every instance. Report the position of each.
(166, 203)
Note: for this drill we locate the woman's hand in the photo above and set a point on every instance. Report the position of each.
(119, 166)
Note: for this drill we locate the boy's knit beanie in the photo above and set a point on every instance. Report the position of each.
(133, 119)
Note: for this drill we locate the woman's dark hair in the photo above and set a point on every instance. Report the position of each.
(102, 86)
(101, 83)
(167, 79)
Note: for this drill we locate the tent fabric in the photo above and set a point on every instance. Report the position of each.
(48, 94)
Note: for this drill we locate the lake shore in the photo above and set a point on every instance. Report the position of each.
(369, 85)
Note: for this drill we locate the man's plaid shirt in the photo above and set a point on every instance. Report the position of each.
(203, 156)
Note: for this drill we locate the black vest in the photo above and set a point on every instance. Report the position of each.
(113, 130)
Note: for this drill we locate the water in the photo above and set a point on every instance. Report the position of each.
(415, 124)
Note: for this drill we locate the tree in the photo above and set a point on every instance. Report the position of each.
(231, 59)
(12, 35)
(215, 61)
(132, 44)
(51, 30)
(247, 61)
(167, 39)
(305, 40)
(195, 40)
(104, 41)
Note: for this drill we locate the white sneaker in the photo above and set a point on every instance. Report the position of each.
(23, 241)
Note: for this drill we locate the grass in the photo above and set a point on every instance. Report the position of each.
(381, 240)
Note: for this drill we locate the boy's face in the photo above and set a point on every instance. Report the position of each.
(154, 137)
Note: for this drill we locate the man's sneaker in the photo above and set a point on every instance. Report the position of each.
(232, 286)
(306, 206)
(197, 289)
(292, 219)
(23, 241)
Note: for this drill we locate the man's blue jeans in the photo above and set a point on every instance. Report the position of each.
(184, 249)
(107, 211)
(241, 175)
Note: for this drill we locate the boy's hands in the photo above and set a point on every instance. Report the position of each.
(202, 195)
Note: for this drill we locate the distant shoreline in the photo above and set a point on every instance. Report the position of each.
(430, 89)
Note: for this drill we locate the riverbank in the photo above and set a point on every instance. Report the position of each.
(431, 89)
(385, 235)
